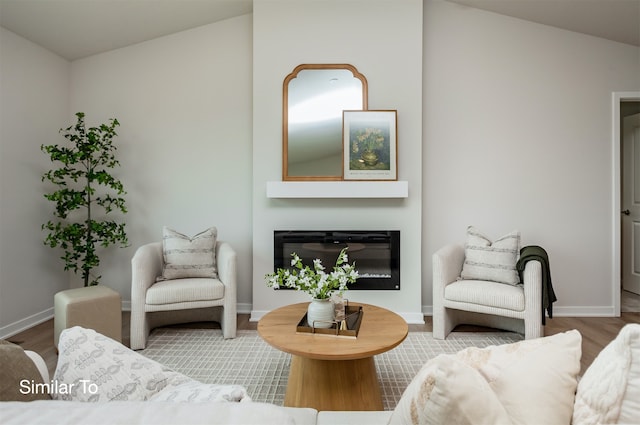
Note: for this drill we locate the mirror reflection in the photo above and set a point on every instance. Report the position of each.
(314, 98)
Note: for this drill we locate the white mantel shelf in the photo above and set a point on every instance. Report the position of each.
(338, 189)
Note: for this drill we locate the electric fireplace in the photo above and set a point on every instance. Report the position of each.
(376, 253)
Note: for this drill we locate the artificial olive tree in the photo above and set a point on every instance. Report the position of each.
(86, 194)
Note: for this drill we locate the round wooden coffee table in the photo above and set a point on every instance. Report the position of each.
(329, 372)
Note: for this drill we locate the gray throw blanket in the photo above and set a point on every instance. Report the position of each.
(534, 252)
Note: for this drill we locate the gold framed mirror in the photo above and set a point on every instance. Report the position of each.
(314, 96)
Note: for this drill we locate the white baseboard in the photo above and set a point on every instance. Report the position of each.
(243, 308)
(26, 323)
(561, 311)
(577, 311)
(413, 318)
(246, 308)
(35, 319)
(256, 315)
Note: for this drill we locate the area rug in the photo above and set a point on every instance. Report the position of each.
(247, 360)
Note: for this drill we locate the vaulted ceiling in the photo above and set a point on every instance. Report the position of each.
(78, 28)
(617, 20)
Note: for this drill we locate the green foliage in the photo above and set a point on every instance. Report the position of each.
(315, 282)
(86, 189)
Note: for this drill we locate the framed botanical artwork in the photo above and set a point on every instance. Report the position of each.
(370, 145)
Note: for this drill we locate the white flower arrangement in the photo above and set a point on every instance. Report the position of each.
(315, 282)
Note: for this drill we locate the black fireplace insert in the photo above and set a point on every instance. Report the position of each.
(376, 253)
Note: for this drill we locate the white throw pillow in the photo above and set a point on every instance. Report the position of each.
(609, 390)
(494, 261)
(189, 257)
(544, 370)
(447, 391)
(528, 382)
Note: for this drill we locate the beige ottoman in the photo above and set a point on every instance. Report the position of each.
(92, 307)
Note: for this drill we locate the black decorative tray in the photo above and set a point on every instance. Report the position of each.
(348, 328)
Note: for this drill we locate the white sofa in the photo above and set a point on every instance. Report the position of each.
(532, 381)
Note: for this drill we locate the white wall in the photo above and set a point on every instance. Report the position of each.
(504, 124)
(517, 135)
(34, 96)
(184, 105)
(383, 40)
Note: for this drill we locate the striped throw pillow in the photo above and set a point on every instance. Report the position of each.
(494, 261)
(186, 257)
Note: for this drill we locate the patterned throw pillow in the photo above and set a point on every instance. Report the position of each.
(195, 391)
(493, 261)
(92, 367)
(185, 257)
(527, 382)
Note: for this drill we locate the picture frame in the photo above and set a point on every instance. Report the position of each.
(370, 145)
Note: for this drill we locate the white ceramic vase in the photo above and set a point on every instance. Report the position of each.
(320, 313)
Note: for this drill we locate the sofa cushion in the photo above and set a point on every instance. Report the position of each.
(93, 367)
(19, 376)
(184, 290)
(156, 413)
(353, 417)
(494, 261)
(186, 257)
(497, 381)
(486, 293)
(609, 390)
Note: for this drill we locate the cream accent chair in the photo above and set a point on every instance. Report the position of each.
(155, 304)
(496, 305)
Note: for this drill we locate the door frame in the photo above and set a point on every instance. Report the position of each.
(616, 249)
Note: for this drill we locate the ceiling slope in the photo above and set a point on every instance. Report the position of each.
(616, 20)
(75, 29)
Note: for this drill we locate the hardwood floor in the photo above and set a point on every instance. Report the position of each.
(596, 332)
